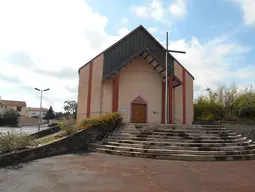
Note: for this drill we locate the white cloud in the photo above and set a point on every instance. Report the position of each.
(152, 29)
(43, 43)
(153, 10)
(247, 7)
(178, 8)
(123, 31)
(124, 20)
(212, 63)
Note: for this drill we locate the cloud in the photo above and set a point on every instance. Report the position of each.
(217, 61)
(43, 44)
(124, 21)
(152, 10)
(247, 7)
(178, 8)
(152, 29)
(123, 31)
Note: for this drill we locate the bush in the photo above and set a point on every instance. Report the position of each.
(12, 141)
(109, 118)
(10, 118)
(69, 127)
(230, 118)
(54, 124)
(1, 120)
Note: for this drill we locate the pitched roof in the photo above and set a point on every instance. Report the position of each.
(128, 35)
(36, 109)
(13, 103)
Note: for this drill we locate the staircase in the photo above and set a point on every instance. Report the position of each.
(193, 143)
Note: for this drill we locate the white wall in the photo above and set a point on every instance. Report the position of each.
(35, 113)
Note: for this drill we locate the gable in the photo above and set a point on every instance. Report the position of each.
(131, 45)
(134, 44)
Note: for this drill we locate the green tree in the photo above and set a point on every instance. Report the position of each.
(10, 118)
(226, 103)
(70, 107)
(50, 114)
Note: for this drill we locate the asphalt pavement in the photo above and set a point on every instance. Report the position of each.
(25, 129)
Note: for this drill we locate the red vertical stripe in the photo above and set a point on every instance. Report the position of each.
(115, 94)
(170, 100)
(89, 89)
(184, 95)
(163, 101)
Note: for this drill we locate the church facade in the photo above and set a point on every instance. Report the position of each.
(129, 77)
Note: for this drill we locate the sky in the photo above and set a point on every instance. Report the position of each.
(43, 43)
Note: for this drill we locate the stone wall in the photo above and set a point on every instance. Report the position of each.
(46, 132)
(72, 143)
(245, 129)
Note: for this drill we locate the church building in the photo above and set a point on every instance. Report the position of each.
(129, 77)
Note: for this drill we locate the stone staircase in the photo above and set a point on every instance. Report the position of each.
(194, 143)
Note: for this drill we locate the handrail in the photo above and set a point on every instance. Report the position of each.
(177, 120)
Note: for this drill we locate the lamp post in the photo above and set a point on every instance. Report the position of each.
(41, 106)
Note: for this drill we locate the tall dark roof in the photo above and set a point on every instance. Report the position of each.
(126, 47)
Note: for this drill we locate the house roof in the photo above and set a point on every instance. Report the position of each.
(36, 109)
(127, 36)
(13, 103)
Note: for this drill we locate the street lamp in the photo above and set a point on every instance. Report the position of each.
(41, 106)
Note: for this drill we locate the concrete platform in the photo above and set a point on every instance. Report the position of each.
(96, 172)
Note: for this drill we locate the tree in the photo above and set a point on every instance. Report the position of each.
(226, 103)
(50, 114)
(59, 115)
(10, 117)
(70, 107)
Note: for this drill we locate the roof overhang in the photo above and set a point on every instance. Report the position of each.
(158, 66)
(148, 56)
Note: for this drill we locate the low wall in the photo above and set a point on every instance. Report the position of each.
(77, 141)
(245, 129)
(46, 132)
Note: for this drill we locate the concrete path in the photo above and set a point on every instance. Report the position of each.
(108, 173)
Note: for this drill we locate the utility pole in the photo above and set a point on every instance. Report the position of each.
(166, 84)
(40, 118)
(166, 72)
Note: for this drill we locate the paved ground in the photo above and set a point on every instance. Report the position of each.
(109, 173)
(26, 129)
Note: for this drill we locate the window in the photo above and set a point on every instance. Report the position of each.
(19, 109)
(33, 113)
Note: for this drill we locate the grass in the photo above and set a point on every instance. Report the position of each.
(51, 138)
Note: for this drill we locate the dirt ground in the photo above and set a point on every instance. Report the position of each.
(108, 173)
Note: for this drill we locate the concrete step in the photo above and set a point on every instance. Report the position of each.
(238, 140)
(171, 147)
(173, 128)
(179, 143)
(171, 125)
(185, 157)
(179, 133)
(211, 137)
(168, 151)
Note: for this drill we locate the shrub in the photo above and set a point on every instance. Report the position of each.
(12, 141)
(10, 117)
(54, 124)
(1, 120)
(109, 118)
(69, 127)
(230, 118)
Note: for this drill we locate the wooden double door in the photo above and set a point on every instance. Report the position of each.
(138, 113)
